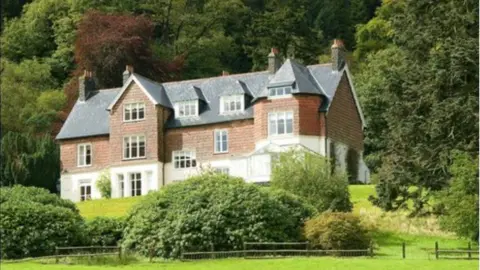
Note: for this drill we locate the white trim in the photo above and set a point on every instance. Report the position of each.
(85, 185)
(354, 92)
(234, 97)
(138, 146)
(184, 103)
(192, 154)
(134, 103)
(85, 156)
(276, 135)
(221, 141)
(124, 88)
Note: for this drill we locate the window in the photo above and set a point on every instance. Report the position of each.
(279, 91)
(134, 147)
(231, 104)
(224, 170)
(84, 155)
(85, 192)
(221, 141)
(280, 123)
(121, 184)
(134, 112)
(136, 184)
(186, 108)
(184, 159)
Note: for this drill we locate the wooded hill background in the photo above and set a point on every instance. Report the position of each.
(415, 65)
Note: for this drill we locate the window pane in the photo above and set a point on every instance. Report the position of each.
(134, 147)
(281, 126)
(272, 127)
(126, 147)
(141, 113)
(288, 90)
(271, 92)
(141, 149)
(238, 105)
(224, 146)
(134, 114)
(289, 126)
(88, 155)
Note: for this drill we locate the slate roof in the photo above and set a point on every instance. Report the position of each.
(91, 118)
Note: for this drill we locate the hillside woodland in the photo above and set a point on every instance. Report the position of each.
(415, 65)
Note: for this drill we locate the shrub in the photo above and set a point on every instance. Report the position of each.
(104, 185)
(309, 176)
(33, 222)
(460, 199)
(337, 231)
(105, 231)
(212, 211)
(34, 194)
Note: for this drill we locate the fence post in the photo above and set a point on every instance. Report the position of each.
(469, 250)
(436, 250)
(308, 249)
(371, 249)
(244, 249)
(403, 250)
(212, 250)
(120, 252)
(56, 255)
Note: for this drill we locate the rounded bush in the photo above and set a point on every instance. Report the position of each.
(33, 222)
(105, 231)
(34, 194)
(337, 231)
(212, 211)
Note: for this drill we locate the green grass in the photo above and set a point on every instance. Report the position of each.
(120, 207)
(107, 207)
(277, 264)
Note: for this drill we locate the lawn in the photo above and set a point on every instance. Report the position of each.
(277, 264)
(119, 207)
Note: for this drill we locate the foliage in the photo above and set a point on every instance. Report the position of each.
(26, 90)
(461, 198)
(106, 43)
(420, 95)
(29, 160)
(36, 195)
(337, 231)
(309, 176)
(34, 227)
(104, 184)
(105, 231)
(211, 211)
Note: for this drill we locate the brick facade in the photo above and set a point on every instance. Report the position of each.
(343, 120)
(100, 154)
(306, 118)
(148, 127)
(201, 138)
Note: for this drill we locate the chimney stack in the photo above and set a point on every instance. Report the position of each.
(338, 55)
(126, 74)
(86, 84)
(225, 73)
(274, 62)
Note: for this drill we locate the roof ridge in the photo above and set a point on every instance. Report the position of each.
(322, 64)
(207, 78)
(108, 89)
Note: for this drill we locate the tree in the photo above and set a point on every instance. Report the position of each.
(104, 184)
(309, 176)
(461, 198)
(29, 160)
(424, 99)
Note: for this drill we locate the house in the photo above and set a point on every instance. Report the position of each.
(149, 134)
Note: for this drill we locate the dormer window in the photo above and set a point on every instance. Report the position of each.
(232, 104)
(134, 112)
(279, 91)
(186, 109)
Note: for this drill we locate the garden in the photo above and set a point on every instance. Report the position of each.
(215, 212)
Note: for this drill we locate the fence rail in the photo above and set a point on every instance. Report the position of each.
(86, 251)
(456, 253)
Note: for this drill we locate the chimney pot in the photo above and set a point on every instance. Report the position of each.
(338, 55)
(274, 61)
(225, 73)
(86, 84)
(126, 74)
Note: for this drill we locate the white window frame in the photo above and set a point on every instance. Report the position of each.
(224, 170)
(85, 197)
(121, 184)
(280, 92)
(130, 107)
(215, 141)
(226, 102)
(184, 105)
(286, 117)
(133, 181)
(137, 137)
(183, 153)
(83, 157)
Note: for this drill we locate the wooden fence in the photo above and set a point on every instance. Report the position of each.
(87, 251)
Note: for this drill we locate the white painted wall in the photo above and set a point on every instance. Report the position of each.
(70, 185)
(151, 178)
